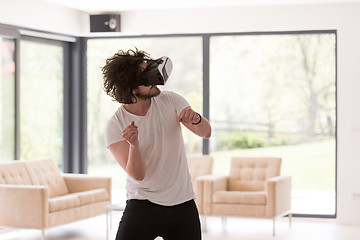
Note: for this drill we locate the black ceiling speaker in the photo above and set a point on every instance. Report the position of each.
(105, 23)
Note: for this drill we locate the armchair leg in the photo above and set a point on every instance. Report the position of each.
(290, 219)
(43, 234)
(203, 220)
(107, 224)
(274, 226)
(223, 221)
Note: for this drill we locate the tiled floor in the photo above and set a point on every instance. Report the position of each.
(236, 228)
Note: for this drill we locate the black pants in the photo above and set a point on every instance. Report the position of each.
(144, 220)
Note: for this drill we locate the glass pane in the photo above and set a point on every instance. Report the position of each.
(186, 79)
(7, 99)
(41, 101)
(274, 95)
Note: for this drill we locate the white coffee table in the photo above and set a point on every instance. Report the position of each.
(109, 209)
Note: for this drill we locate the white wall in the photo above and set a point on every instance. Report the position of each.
(36, 14)
(241, 19)
(344, 18)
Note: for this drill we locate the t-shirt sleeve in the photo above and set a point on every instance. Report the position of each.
(178, 101)
(113, 132)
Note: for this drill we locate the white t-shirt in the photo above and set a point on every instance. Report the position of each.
(167, 179)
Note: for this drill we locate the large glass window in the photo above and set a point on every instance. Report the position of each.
(270, 95)
(7, 99)
(186, 79)
(274, 95)
(41, 100)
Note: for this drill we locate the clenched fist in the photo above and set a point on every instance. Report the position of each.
(189, 116)
(130, 134)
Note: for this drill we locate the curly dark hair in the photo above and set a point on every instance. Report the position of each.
(121, 72)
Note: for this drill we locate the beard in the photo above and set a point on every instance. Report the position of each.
(153, 92)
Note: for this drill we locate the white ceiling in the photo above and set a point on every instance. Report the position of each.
(108, 6)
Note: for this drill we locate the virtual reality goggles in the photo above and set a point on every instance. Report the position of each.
(157, 72)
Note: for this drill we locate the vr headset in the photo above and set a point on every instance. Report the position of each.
(157, 72)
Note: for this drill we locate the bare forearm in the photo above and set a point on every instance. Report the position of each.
(130, 158)
(135, 166)
(203, 129)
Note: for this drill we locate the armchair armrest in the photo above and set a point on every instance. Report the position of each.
(211, 184)
(83, 182)
(214, 182)
(199, 198)
(279, 195)
(24, 206)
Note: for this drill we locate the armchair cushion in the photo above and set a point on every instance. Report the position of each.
(92, 196)
(251, 175)
(240, 197)
(14, 173)
(45, 172)
(73, 200)
(63, 202)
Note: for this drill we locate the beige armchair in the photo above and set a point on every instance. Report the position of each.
(199, 166)
(34, 194)
(253, 188)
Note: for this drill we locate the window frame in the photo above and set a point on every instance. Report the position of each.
(9, 32)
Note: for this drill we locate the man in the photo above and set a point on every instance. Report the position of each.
(144, 135)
